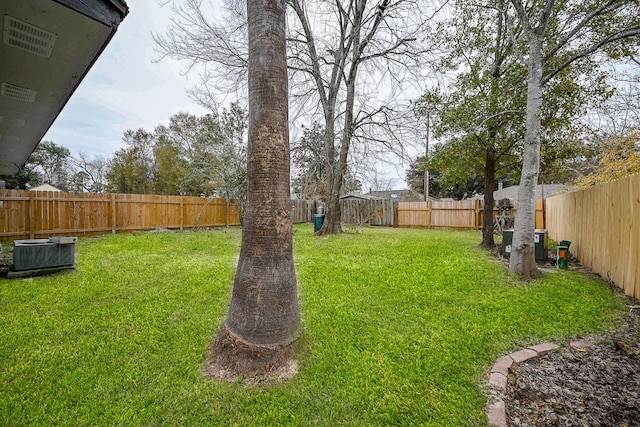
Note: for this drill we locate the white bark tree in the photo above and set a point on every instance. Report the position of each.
(560, 33)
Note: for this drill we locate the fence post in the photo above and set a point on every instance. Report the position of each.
(113, 214)
(181, 213)
(31, 213)
(395, 214)
(477, 215)
(226, 207)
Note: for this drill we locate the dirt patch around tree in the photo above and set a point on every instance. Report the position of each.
(234, 360)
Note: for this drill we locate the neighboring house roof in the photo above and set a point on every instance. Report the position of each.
(47, 49)
(550, 190)
(44, 187)
(352, 196)
(399, 195)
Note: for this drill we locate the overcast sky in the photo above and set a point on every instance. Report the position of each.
(124, 89)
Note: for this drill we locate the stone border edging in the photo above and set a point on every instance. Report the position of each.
(499, 374)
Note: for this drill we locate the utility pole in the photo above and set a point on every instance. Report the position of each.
(426, 169)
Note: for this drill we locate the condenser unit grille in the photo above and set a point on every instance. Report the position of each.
(27, 37)
(16, 92)
(40, 253)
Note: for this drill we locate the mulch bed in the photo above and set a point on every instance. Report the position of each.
(595, 382)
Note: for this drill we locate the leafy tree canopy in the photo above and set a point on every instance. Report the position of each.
(616, 158)
(48, 164)
(440, 188)
(191, 156)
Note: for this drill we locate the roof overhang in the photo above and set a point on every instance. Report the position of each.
(47, 48)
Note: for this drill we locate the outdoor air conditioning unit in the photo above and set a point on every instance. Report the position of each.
(39, 256)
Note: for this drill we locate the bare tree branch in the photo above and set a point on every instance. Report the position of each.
(631, 32)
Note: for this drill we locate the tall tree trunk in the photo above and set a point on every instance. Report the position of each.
(522, 260)
(488, 241)
(332, 224)
(490, 160)
(263, 315)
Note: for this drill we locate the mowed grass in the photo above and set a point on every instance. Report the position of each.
(400, 327)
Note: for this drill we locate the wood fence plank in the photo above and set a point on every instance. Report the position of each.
(31, 213)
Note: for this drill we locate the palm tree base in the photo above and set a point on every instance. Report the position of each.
(234, 360)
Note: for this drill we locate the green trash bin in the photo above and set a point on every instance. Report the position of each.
(562, 257)
(565, 243)
(318, 219)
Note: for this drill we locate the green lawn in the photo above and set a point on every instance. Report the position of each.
(400, 328)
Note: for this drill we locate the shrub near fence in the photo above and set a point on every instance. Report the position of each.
(38, 214)
(603, 225)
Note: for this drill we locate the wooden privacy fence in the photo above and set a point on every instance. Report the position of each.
(461, 214)
(303, 210)
(37, 214)
(603, 225)
(368, 212)
(352, 211)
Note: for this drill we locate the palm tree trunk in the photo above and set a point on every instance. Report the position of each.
(263, 316)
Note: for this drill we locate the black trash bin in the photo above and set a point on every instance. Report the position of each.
(507, 238)
(541, 244)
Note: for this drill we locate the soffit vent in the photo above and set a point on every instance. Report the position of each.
(17, 92)
(27, 37)
(12, 121)
(13, 139)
